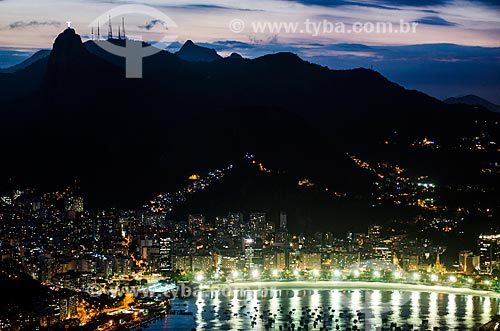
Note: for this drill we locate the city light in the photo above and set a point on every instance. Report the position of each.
(401, 253)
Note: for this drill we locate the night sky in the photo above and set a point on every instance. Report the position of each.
(428, 60)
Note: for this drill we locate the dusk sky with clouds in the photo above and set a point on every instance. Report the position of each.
(435, 65)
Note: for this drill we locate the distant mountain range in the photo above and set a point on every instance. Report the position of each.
(32, 59)
(189, 52)
(73, 114)
(474, 100)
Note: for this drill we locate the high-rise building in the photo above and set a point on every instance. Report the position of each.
(374, 232)
(270, 261)
(235, 224)
(202, 262)
(328, 239)
(310, 261)
(166, 254)
(195, 224)
(283, 222)
(181, 262)
(382, 253)
(488, 247)
(248, 245)
(257, 224)
(282, 261)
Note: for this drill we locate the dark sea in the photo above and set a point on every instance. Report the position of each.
(310, 309)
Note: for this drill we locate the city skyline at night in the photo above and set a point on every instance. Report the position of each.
(287, 165)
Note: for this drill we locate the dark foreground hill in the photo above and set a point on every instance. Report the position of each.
(74, 114)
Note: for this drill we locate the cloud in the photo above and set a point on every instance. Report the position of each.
(151, 24)
(430, 3)
(413, 3)
(435, 20)
(231, 44)
(33, 24)
(337, 3)
(208, 7)
(391, 4)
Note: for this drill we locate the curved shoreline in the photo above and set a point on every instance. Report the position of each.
(350, 285)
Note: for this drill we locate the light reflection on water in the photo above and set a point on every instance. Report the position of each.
(250, 309)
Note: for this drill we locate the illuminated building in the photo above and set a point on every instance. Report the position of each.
(374, 232)
(181, 262)
(489, 251)
(257, 225)
(270, 261)
(166, 254)
(469, 262)
(310, 261)
(202, 262)
(282, 261)
(283, 222)
(195, 224)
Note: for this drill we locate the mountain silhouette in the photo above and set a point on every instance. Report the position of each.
(194, 53)
(75, 115)
(474, 100)
(235, 56)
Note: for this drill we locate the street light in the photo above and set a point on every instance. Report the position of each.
(315, 273)
(356, 273)
(336, 273)
(275, 273)
(235, 274)
(453, 279)
(434, 278)
(199, 277)
(376, 274)
(416, 276)
(255, 273)
(397, 274)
